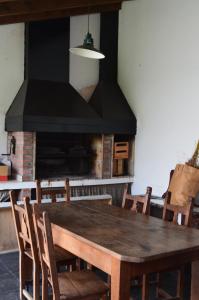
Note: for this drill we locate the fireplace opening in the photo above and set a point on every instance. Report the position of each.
(64, 154)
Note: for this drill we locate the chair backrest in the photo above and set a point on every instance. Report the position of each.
(170, 177)
(52, 192)
(139, 204)
(46, 249)
(24, 226)
(172, 212)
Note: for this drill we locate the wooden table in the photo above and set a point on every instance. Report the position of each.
(119, 242)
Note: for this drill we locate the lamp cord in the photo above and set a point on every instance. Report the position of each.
(88, 22)
(88, 16)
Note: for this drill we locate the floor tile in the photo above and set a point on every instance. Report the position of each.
(8, 283)
(10, 262)
(2, 268)
(9, 296)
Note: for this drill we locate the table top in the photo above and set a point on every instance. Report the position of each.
(123, 234)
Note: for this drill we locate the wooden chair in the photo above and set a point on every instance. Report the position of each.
(63, 256)
(172, 213)
(52, 192)
(139, 204)
(29, 266)
(28, 248)
(73, 285)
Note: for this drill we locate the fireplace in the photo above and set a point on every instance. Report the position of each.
(59, 134)
(77, 156)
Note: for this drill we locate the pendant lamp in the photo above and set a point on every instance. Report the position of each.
(87, 49)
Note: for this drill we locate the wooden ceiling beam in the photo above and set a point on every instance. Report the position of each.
(14, 11)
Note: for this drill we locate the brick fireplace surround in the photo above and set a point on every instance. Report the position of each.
(24, 159)
(23, 162)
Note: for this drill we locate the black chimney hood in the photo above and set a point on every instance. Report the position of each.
(108, 99)
(46, 102)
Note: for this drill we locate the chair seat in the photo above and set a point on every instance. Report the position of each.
(80, 285)
(62, 254)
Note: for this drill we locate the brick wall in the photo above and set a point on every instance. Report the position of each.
(23, 165)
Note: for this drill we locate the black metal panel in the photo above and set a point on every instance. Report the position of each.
(46, 51)
(108, 100)
(77, 126)
(50, 106)
(109, 46)
(112, 106)
(55, 99)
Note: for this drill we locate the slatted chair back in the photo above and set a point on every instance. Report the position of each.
(46, 248)
(52, 192)
(172, 212)
(24, 226)
(139, 204)
(181, 215)
(29, 258)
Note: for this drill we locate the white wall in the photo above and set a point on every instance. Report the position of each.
(159, 74)
(11, 71)
(83, 72)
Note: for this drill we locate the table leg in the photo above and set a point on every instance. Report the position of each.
(194, 280)
(145, 287)
(120, 280)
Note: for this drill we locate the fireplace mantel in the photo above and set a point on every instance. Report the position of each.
(18, 185)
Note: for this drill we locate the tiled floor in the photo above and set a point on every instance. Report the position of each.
(9, 277)
(9, 280)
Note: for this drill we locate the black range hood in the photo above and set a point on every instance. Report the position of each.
(40, 106)
(108, 99)
(46, 102)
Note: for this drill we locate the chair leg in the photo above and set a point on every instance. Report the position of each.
(21, 275)
(36, 282)
(73, 266)
(25, 272)
(180, 284)
(44, 286)
(157, 285)
(145, 287)
(109, 280)
(78, 264)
